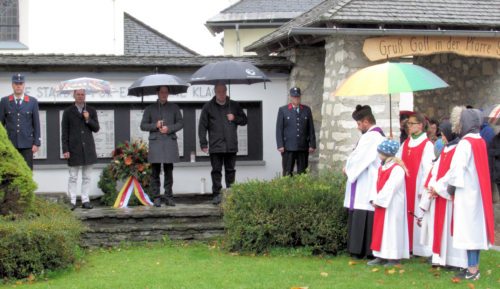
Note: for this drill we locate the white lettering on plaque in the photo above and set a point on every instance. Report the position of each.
(105, 138)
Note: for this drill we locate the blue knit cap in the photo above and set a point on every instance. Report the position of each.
(388, 147)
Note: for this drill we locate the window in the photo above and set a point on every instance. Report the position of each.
(9, 20)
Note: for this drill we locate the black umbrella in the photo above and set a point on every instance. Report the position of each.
(229, 72)
(148, 85)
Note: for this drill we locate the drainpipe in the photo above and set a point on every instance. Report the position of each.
(238, 44)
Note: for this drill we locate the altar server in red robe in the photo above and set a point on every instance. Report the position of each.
(473, 221)
(390, 226)
(417, 152)
(444, 254)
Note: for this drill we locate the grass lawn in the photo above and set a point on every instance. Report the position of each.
(202, 265)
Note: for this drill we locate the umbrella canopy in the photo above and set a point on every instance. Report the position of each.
(389, 78)
(228, 72)
(91, 85)
(148, 85)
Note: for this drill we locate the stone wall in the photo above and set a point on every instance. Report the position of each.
(339, 133)
(472, 80)
(308, 73)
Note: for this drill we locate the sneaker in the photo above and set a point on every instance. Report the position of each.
(170, 202)
(470, 276)
(391, 263)
(216, 200)
(461, 273)
(157, 202)
(376, 261)
(87, 206)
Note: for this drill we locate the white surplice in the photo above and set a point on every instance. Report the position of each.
(469, 225)
(425, 166)
(392, 197)
(449, 256)
(428, 206)
(362, 167)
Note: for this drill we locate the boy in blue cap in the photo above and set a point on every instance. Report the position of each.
(390, 241)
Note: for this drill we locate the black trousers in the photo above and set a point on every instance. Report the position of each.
(359, 233)
(28, 156)
(288, 159)
(217, 160)
(168, 180)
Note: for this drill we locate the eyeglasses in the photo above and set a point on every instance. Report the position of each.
(412, 123)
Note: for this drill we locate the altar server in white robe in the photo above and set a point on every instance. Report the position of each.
(361, 169)
(390, 241)
(444, 254)
(470, 184)
(417, 152)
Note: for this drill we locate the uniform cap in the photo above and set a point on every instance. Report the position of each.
(18, 78)
(295, 92)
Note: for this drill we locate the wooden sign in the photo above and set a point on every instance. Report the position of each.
(396, 46)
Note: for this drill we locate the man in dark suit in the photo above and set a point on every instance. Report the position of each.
(19, 115)
(295, 134)
(79, 121)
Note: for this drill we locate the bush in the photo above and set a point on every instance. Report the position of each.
(16, 183)
(303, 210)
(128, 160)
(45, 240)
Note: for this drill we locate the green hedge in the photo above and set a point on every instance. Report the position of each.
(303, 210)
(45, 240)
(16, 183)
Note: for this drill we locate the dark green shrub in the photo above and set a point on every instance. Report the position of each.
(16, 183)
(303, 210)
(46, 239)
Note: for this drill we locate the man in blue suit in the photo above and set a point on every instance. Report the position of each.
(295, 135)
(19, 115)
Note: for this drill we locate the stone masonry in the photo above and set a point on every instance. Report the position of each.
(472, 80)
(308, 73)
(339, 133)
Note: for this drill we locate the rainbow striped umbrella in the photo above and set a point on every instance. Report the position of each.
(389, 78)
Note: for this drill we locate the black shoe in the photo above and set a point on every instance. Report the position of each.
(157, 202)
(470, 276)
(217, 199)
(170, 202)
(73, 207)
(461, 273)
(87, 206)
(376, 261)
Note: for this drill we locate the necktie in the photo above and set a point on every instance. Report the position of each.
(297, 109)
(18, 102)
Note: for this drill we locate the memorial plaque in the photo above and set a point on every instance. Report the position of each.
(42, 150)
(242, 132)
(105, 138)
(137, 134)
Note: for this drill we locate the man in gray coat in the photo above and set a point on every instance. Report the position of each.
(162, 119)
(78, 123)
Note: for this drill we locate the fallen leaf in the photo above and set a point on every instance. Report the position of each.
(157, 263)
(234, 254)
(299, 288)
(398, 266)
(401, 271)
(471, 286)
(324, 274)
(19, 282)
(391, 271)
(31, 277)
(375, 269)
(456, 280)
(351, 263)
(329, 261)
(488, 272)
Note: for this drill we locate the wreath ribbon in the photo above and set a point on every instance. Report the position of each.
(131, 185)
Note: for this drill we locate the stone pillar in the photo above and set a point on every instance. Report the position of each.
(339, 133)
(472, 80)
(308, 73)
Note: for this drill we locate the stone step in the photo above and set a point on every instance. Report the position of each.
(109, 226)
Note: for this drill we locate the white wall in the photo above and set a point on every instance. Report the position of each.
(62, 26)
(53, 178)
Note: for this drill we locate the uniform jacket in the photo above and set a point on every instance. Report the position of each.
(23, 123)
(222, 136)
(295, 131)
(77, 137)
(163, 148)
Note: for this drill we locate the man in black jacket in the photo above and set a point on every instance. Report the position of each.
(220, 117)
(78, 123)
(295, 136)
